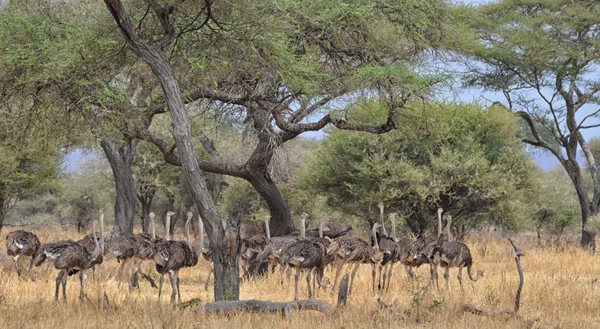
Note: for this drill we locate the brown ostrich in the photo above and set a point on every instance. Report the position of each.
(170, 256)
(69, 257)
(21, 244)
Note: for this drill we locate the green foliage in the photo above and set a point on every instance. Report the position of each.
(557, 205)
(458, 157)
(83, 192)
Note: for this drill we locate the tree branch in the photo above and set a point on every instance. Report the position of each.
(540, 142)
(168, 151)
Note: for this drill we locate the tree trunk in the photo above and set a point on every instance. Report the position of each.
(146, 202)
(574, 172)
(281, 219)
(120, 160)
(224, 245)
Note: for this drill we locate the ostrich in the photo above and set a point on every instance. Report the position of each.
(388, 247)
(454, 254)
(145, 250)
(69, 257)
(306, 254)
(427, 249)
(274, 247)
(357, 251)
(21, 244)
(170, 256)
(252, 247)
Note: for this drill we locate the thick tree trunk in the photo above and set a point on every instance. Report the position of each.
(120, 160)
(225, 245)
(574, 172)
(281, 219)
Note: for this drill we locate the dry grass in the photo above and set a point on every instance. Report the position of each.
(559, 292)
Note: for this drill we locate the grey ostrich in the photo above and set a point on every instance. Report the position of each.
(306, 254)
(21, 244)
(274, 247)
(145, 250)
(389, 248)
(69, 257)
(170, 256)
(454, 254)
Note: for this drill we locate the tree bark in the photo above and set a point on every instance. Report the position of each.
(281, 219)
(146, 203)
(224, 244)
(587, 210)
(120, 160)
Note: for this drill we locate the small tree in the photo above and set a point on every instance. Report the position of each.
(458, 157)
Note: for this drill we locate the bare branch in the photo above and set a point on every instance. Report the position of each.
(168, 151)
(539, 141)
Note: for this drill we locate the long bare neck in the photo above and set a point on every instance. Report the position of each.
(448, 226)
(168, 227)
(393, 220)
(97, 249)
(381, 221)
(303, 227)
(153, 228)
(439, 213)
(101, 230)
(267, 229)
(374, 233)
(321, 229)
(187, 232)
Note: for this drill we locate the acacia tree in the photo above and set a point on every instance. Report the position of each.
(458, 157)
(286, 69)
(542, 56)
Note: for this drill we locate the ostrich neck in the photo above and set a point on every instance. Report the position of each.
(187, 232)
(374, 232)
(321, 229)
(97, 248)
(381, 211)
(167, 228)
(153, 228)
(267, 229)
(439, 223)
(102, 232)
(303, 227)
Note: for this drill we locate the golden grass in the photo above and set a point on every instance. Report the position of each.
(559, 292)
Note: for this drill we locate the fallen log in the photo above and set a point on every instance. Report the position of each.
(263, 306)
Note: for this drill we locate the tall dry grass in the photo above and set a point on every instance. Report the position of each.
(559, 292)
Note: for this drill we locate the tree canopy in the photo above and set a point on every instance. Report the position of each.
(458, 157)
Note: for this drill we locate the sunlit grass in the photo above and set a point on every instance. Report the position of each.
(560, 292)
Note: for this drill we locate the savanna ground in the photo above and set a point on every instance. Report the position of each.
(559, 292)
